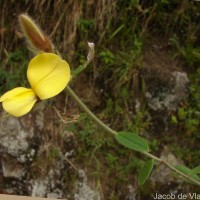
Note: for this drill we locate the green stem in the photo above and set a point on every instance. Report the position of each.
(152, 157)
(171, 167)
(84, 107)
(180, 173)
(109, 130)
(80, 69)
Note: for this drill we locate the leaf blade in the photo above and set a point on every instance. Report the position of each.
(145, 172)
(132, 141)
(187, 171)
(196, 170)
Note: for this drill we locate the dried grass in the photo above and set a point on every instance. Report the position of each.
(59, 19)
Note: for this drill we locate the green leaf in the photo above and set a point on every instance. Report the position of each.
(132, 141)
(174, 119)
(182, 114)
(187, 171)
(184, 169)
(145, 172)
(196, 170)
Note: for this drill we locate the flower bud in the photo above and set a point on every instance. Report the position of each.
(35, 37)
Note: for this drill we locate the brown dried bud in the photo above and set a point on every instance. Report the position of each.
(90, 55)
(35, 37)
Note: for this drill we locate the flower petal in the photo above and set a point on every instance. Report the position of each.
(18, 101)
(12, 93)
(48, 75)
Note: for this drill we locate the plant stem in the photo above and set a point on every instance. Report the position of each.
(152, 157)
(180, 173)
(84, 107)
(171, 167)
(109, 130)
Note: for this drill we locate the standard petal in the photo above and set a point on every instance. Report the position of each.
(48, 75)
(18, 101)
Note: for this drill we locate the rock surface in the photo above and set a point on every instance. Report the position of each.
(168, 94)
(25, 150)
(83, 191)
(163, 174)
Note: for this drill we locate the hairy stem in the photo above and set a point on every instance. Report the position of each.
(84, 107)
(109, 130)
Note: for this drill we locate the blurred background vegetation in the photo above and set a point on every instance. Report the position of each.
(134, 40)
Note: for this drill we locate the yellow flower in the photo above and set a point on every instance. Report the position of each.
(47, 74)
